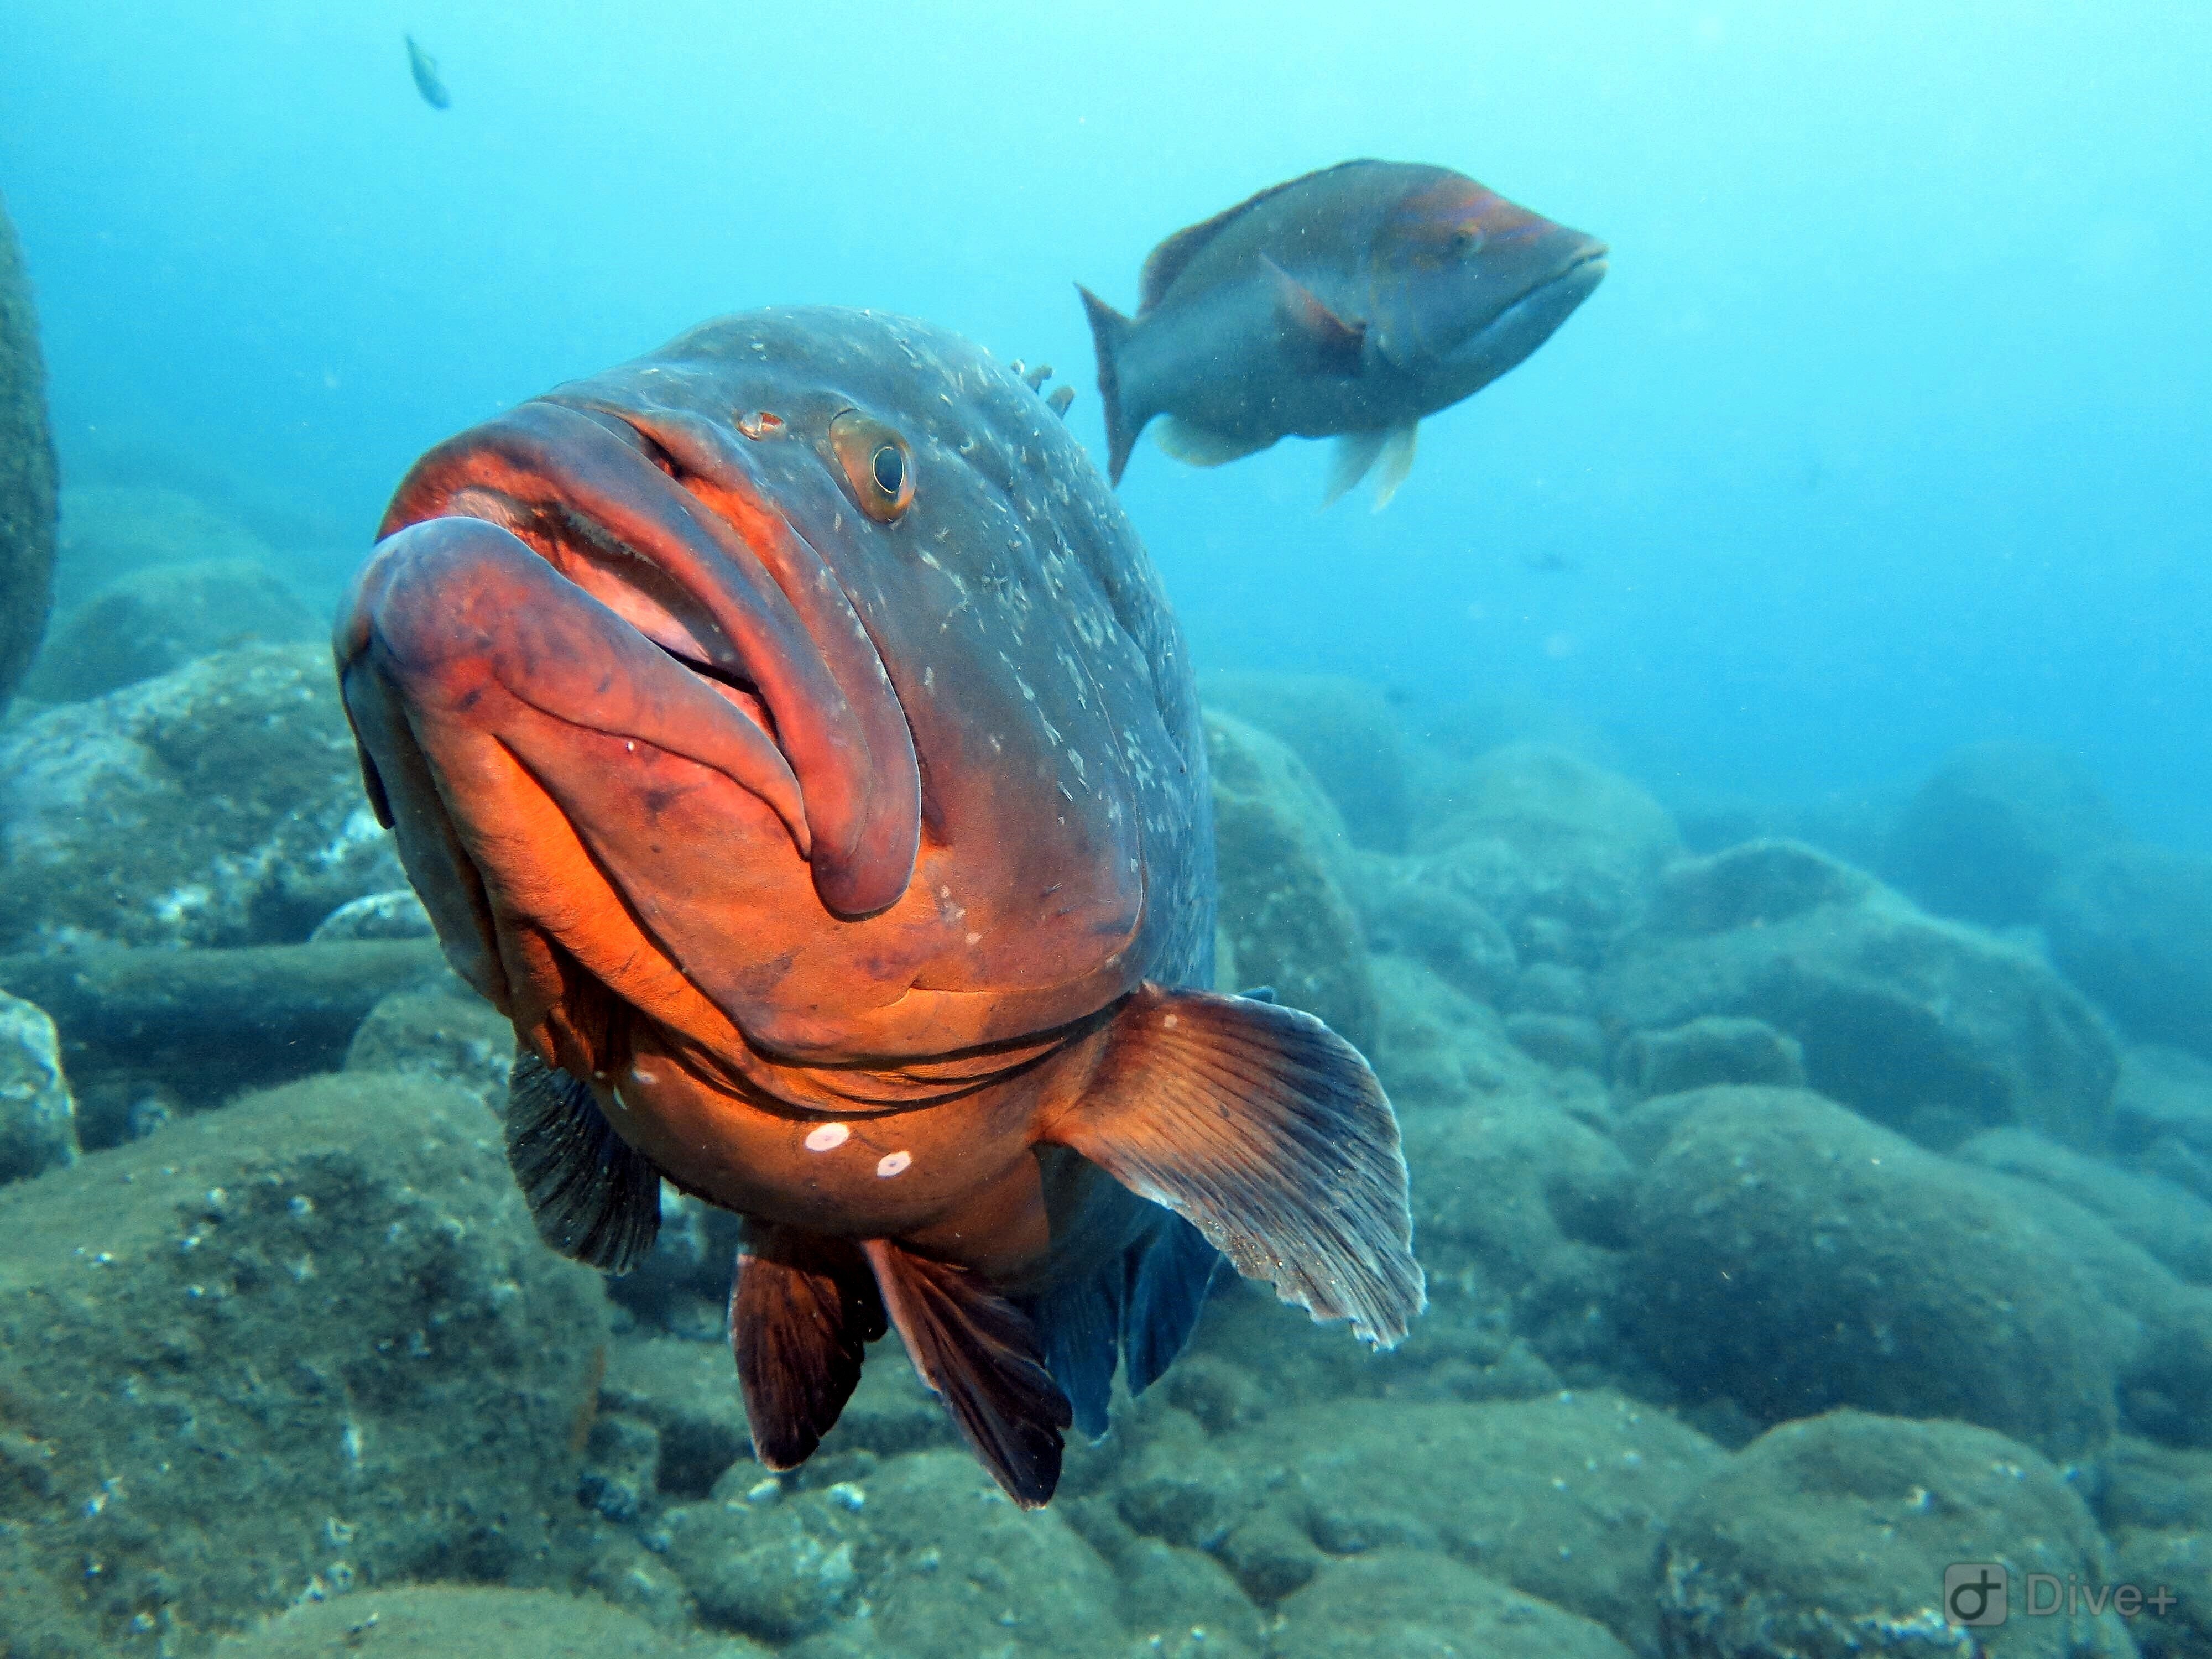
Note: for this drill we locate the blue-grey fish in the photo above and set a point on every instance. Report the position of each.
(424, 68)
(788, 733)
(1348, 303)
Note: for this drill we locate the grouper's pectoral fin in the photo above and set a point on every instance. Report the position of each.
(594, 1198)
(1324, 342)
(978, 1350)
(1268, 1132)
(802, 1311)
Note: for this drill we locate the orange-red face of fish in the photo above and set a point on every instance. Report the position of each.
(778, 688)
(1462, 277)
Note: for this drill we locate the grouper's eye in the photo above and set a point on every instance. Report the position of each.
(877, 465)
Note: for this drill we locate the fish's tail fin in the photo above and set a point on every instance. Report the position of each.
(1109, 332)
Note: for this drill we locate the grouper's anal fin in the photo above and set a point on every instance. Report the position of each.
(978, 1350)
(1268, 1132)
(803, 1309)
(594, 1197)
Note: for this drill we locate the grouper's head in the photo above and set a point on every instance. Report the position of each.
(792, 687)
(1466, 283)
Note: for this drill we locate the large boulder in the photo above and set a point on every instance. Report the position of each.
(1792, 1257)
(1564, 853)
(220, 804)
(2133, 927)
(153, 621)
(1993, 828)
(38, 1117)
(1931, 1027)
(1830, 1539)
(27, 472)
(114, 530)
(309, 1342)
(1408, 1604)
(1343, 731)
(1282, 851)
(1563, 1498)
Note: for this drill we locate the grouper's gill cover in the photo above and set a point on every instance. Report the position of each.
(787, 732)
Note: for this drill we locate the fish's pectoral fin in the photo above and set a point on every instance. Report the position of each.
(593, 1197)
(981, 1355)
(803, 1309)
(1355, 454)
(1268, 1132)
(1333, 344)
(1397, 461)
(1196, 446)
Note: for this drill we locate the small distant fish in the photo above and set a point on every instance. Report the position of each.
(425, 71)
(1348, 303)
(1550, 563)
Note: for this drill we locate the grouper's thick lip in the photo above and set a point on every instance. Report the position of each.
(599, 499)
(1530, 317)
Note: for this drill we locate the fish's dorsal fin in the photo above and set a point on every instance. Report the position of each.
(592, 1197)
(1333, 344)
(1168, 260)
(803, 1309)
(1355, 454)
(1397, 461)
(1267, 1132)
(1198, 446)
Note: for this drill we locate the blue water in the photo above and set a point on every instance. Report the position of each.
(1887, 433)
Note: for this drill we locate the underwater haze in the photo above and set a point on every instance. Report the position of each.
(1885, 435)
(756, 1033)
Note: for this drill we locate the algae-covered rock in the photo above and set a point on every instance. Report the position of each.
(27, 472)
(153, 622)
(473, 1621)
(191, 1028)
(1794, 1257)
(2170, 1222)
(1564, 853)
(38, 1117)
(1928, 1026)
(1407, 1604)
(310, 1341)
(109, 531)
(1828, 1538)
(1710, 1049)
(922, 1556)
(444, 1030)
(1343, 730)
(221, 804)
(2133, 927)
(1280, 846)
(1404, 911)
(396, 914)
(1563, 1498)
(1994, 827)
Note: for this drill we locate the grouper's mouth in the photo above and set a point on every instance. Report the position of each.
(628, 576)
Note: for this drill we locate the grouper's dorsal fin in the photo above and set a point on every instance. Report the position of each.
(1168, 260)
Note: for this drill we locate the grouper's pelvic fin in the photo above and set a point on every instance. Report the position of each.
(1268, 1132)
(1109, 332)
(593, 1197)
(1198, 446)
(1356, 455)
(803, 1309)
(981, 1353)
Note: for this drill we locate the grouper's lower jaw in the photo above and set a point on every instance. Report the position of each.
(1515, 333)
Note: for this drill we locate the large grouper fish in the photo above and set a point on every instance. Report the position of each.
(1349, 303)
(787, 732)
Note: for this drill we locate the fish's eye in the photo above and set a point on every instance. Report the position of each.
(877, 465)
(1466, 239)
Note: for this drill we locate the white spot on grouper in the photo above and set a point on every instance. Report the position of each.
(892, 1163)
(828, 1138)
